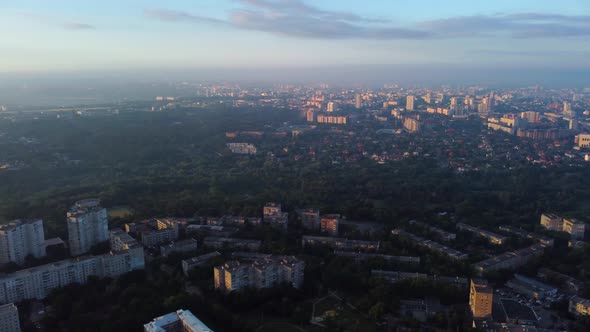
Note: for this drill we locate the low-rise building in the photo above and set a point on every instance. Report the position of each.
(231, 243)
(179, 321)
(209, 229)
(178, 247)
(9, 321)
(490, 236)
(329, 224)
(340, 243)
(242, 148)
(510, 260)
(310, 219)
(441, 233)
(434, 246)
(261, 273)
(358, 256)
(579, 306)
(191, 263)
(274, 215)
(530, 287)
(552, 222)
(395, 276)
(576, 228)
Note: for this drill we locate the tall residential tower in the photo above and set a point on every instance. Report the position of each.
(21, 238)
(87, 226)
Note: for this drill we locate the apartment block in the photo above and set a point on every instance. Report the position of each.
(178, 321)
(178, 247)
(329, 224)
(579, 306)
(87, 226)
(231, 243)
(274, 215)
(263, 272)
(441, 233)
(20, 238)
(9, 321)
(191, 263)
(242, 148)
(153, 232)
(481, 297)
(510, 260)
(310, 219)
(434, 246)
(493, 238)
(340, 243)
(576, 228)
(36, 283)
(552, 222)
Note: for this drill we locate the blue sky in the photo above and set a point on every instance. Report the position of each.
(84, 35)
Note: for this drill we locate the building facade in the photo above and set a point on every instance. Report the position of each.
(9, 321)
(481, 297)
(265, 272)
(552, 222)
(329, 224)
(21, 238)
(576, 228)
(87, 226)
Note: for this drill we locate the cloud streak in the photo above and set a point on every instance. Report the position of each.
(57, 22)
(296, 18)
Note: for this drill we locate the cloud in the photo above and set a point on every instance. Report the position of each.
(296, 18)
(77, 26)
(58, 22)
(524, 25)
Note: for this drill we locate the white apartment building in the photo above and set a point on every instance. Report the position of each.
(87, 226)
(21, 238)
(181, 320)
(9, 318)
(38, 282)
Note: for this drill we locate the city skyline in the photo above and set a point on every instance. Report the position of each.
(68, 36)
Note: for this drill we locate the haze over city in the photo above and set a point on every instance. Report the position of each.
(295, 166)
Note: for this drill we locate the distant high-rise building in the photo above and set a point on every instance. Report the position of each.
(87, 226)
(428, 98)
(331, 107)
(410, 103)
(310, 115)
(454, 103)
(573, 124)
(531, 117)
(9, 318)
(358, 101)
(481, 297)
(567, 108)
(21, 238)
(412, 125)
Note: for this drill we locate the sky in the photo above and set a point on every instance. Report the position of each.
(120, 35)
